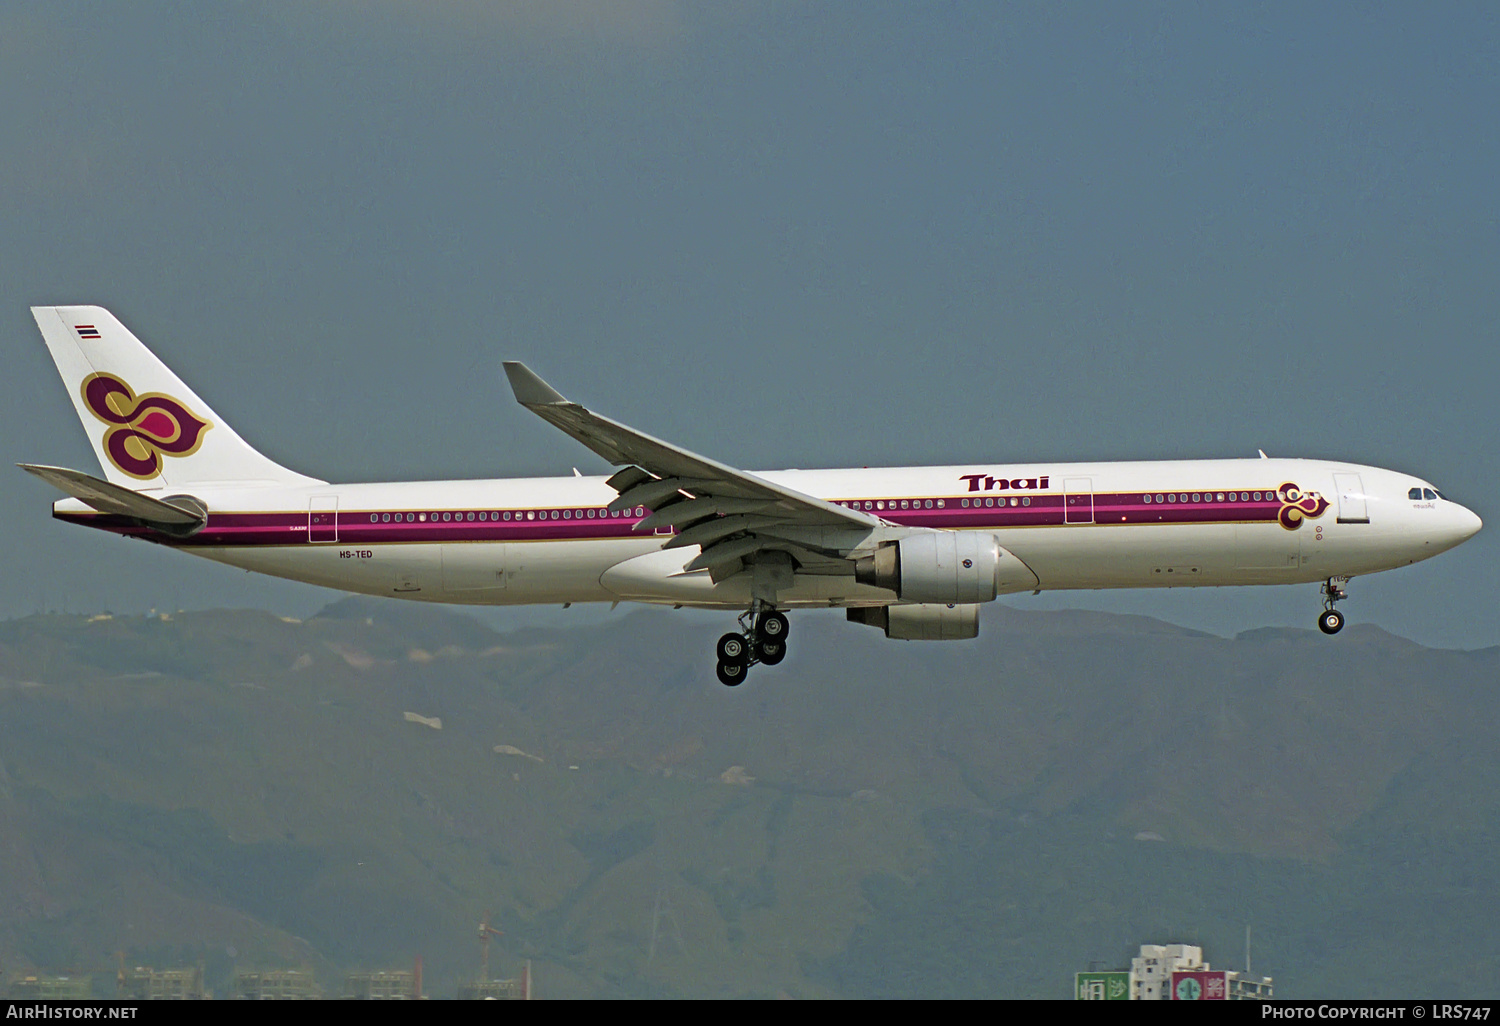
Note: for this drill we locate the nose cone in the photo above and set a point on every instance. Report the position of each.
(1458, 525)
(1469, 523)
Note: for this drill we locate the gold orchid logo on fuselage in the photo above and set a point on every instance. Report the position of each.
(1297, 505)
(142, 428)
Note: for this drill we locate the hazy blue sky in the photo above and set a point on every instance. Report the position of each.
(784, 234)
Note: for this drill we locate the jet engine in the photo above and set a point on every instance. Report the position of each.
(922, 622)
(945, 567)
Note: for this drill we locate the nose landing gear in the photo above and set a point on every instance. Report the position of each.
(1331, 621)
(761, 639)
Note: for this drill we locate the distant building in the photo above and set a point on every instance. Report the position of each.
(1171, 972)
(42, 987)
(1151, 971)
(276, 985)
(397, 985)
(1247, 987)
(499, 990)
(146, 984)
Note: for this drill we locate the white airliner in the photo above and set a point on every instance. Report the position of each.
(913, 551)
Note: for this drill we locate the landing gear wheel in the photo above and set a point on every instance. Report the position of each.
(732, 649)
(1331, 621)
(770, 652)
(732, 675)
(772, 626)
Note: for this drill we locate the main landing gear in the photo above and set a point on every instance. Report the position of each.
(1332, 621)
(761, 639)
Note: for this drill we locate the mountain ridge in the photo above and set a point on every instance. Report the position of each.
(359, 787)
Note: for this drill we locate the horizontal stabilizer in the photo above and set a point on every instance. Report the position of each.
(112, 498)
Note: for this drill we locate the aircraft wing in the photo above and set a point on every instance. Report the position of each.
(734, 515)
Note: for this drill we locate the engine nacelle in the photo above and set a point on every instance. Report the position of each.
(922, 622)
(945, 566)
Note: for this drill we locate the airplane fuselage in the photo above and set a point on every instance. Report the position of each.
(1073, 526)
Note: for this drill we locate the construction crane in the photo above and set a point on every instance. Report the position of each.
(486, 931)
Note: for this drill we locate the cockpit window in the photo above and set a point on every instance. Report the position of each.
(1428, 493)
(1415, 493)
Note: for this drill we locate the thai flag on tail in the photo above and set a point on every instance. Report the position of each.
(86, 330)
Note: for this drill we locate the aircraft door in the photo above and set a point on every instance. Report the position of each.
(1078, 500)
(323, 518)
(1353, 506)
(473, 567)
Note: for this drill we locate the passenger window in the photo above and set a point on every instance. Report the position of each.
(1026, 500)
(964, 503)
(470, 516)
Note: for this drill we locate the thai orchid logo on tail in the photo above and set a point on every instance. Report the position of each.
(1297, 505)
(144, 428)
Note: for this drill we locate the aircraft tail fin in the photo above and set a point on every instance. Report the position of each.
(147, 427)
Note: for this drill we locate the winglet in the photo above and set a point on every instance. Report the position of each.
(530, 390)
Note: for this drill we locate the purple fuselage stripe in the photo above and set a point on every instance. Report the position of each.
(354, 528)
